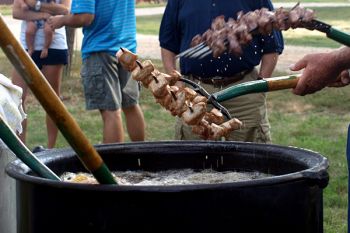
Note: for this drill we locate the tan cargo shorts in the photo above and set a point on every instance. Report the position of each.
(250, 109)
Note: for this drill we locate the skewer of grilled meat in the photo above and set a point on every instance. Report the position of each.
(231, 35)
(183, 102)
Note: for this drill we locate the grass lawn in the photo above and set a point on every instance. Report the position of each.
(6, 9)
(148, 5)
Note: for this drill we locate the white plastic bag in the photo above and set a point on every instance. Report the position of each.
(11, 104)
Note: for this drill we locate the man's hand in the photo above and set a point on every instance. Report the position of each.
(320, 70)
(56, 21)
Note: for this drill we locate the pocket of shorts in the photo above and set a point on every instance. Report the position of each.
(93, 81)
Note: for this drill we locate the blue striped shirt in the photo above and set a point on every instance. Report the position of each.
(114, 25)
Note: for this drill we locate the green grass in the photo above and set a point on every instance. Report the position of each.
(148, 5)
(6, 9)
(148, 25)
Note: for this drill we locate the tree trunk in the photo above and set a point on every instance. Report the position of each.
(70, 41)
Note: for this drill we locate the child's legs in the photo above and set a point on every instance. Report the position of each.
(48, 33)
(30, 35)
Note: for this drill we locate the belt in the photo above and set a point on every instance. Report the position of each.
(222, 81)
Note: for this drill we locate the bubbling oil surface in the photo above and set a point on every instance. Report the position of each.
(168, 177)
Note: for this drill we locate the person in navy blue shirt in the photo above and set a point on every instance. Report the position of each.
(181, 21)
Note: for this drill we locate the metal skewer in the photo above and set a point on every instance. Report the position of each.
(211, 99)
(202, 50)
(189, 51)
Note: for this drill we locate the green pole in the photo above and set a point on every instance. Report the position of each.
(263, 85)
(23, 153)
(241, 89)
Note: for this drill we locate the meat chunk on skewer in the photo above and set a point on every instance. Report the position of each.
(182, 102)
(231, 35)
(194, 114)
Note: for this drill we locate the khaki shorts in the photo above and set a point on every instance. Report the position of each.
(106, 85)
(250, 109)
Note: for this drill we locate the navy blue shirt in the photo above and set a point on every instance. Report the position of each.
(183, 19)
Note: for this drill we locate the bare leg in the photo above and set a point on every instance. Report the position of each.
(53, 74)
(30, 36)
(48, 32)
(17, 80)
(112, 126)
(135, 123)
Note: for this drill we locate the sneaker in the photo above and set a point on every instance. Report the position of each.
(38, 149)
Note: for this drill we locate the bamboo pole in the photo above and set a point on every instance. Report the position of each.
(53, 105)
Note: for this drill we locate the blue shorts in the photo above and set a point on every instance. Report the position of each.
(54, 57)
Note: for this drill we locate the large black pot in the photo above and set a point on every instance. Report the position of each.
(288, 202)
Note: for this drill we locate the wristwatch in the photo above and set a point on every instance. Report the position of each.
(37, 6)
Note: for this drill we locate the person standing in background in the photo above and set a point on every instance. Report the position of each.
(107, 26)
(182, 20)
(52, 65)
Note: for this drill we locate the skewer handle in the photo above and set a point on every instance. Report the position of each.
(264, 85)
(339, 36)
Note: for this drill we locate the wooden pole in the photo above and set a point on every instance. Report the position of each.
(53, 105)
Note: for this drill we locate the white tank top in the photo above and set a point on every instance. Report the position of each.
(58, 42)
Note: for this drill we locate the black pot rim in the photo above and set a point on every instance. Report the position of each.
(317, 173)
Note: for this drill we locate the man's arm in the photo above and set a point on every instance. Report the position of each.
(20, 12)
(169, 61)
(71, 20)
(268, 64)
(51, 7)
